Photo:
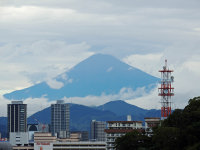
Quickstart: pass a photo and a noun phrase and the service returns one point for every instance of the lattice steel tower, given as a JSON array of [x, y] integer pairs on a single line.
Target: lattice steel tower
[[166, 91]]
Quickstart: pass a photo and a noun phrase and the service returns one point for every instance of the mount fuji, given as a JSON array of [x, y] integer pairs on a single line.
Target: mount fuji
[[96, 75]]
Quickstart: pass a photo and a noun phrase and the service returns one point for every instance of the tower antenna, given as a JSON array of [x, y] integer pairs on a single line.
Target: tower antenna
[[166, 91]]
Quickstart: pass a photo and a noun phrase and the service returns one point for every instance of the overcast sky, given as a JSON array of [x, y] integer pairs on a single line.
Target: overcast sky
[[40, 39]]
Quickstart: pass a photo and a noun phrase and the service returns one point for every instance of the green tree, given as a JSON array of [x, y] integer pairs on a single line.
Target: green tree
[[167, 138], [180, 131], [133, 141]]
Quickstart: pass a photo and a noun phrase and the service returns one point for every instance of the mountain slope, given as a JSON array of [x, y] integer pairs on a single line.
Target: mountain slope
[[3, 126], [80, 116], [121, 108], [96, 75]]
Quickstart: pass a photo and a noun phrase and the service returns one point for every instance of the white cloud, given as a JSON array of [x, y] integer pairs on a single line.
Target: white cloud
[[147, 101], [90, 100], [54, 84], [138, 98], [109, 69], [130, 68], [193, 66], [149, 63], [32, 63], [153, 101], [33, 105], [3, 106], [66, 79], [36, 104], [186, 75]]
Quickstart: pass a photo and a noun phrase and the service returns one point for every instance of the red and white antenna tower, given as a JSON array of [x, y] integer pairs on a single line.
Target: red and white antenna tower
[[166, 91]]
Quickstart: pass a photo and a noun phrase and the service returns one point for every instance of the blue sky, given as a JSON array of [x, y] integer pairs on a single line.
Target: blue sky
[[40, 39]]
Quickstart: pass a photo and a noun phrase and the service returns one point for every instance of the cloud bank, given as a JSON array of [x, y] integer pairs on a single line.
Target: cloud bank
[[36, 104], [38, 61], [41, 39]]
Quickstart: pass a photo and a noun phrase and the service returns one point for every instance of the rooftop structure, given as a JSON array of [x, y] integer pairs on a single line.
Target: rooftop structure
[[42, 137]]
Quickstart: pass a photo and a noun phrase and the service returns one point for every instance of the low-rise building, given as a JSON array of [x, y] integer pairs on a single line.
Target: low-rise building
[[81, 145], [5, 146], [42, 137], [84, 145], [119, 128], [43, 146], [23, 148], [83, 135], [19, 138], [74, 137], [151, 122], [46, 141], [43, 141]]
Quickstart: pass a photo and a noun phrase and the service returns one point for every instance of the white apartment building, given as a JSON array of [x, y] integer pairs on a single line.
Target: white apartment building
[[119, 128]]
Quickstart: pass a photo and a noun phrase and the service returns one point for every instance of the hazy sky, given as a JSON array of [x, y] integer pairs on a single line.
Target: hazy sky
[[40, 39]]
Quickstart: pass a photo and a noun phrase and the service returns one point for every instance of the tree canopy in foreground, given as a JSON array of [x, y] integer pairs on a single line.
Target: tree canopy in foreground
[[180, 131]]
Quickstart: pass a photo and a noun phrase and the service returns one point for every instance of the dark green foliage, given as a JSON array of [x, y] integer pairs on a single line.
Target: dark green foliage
[[180, 131], [167, 138], [133, 141], [183, 126]]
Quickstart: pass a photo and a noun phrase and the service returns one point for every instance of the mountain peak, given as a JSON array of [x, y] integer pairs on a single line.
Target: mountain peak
[[125, 108], [95, 75], [100, 61], [101, 55], [116, 102]]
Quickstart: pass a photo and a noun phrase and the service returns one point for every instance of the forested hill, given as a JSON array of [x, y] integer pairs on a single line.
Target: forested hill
[[180, 131]]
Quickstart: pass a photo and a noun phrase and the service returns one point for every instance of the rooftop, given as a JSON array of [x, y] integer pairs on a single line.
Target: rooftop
[[17, 102], [121, 130], [124, 121]]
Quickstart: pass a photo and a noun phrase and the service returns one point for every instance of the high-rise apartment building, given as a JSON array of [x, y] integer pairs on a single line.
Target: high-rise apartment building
[[60, 116], [17, 123], [97, 130], [17, 117]]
